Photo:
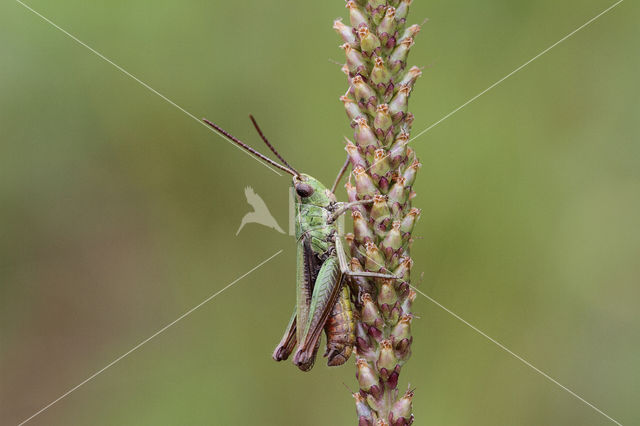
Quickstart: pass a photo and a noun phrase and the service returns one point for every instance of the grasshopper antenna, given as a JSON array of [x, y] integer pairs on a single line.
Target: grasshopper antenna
[[348, 388], [248, 148], [264, 138]]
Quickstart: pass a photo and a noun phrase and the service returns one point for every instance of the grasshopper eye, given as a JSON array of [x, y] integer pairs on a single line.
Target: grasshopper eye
[[304, 190]]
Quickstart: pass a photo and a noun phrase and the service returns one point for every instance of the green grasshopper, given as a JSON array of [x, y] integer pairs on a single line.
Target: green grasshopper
[[323, 301]]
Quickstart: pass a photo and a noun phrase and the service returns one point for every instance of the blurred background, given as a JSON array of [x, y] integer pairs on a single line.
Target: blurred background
[[118, 212]]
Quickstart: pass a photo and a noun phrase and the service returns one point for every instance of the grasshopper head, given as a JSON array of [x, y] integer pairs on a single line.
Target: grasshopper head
[[309, 190]]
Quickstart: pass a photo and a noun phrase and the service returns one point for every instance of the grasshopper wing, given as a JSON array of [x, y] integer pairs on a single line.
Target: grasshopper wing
[[308, 266], [326, 291], [307, 269]]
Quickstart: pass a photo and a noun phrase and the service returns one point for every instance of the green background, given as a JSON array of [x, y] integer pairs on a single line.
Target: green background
[[118, 212]]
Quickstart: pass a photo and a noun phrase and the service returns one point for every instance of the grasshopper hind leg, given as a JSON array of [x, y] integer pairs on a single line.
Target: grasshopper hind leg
[[288, 342]]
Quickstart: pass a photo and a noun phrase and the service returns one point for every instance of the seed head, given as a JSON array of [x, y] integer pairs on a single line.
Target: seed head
[[376, 47]]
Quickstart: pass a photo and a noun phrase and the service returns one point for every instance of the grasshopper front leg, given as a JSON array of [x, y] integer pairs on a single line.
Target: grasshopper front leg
[[341, 208]]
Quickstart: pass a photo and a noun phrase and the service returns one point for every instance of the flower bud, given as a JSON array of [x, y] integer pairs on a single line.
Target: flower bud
[[355, 14], [402, 329], [387, 26], [393, 240], [363, 411], [399, 103], [351, 107], [380, 75], [406, 303], [380, 166], [345, 32], [374, 402], [375, 333], [376, 8], [397, 195], [408, 122], [398, 58], [345, 70], [364, 136], [363, 333], [374, 260], [410, 77], [369, 43], [401, 409], [355, 61], [409, 220], [410, 173], [365, 375], [411, 31], [383, 121], [394, 316], [362, 421], [403, 269], [361, 228], [398, 148], [402, 10], [370, 313], [387, 294], [363, 346], [380, 209], [403, 289], [362, 91], [383, 184], [403, 349], [364, 184], [354, 155], [387, 358]]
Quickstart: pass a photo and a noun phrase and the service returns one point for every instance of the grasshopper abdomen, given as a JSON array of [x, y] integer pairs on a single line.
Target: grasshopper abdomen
[[340, 331]]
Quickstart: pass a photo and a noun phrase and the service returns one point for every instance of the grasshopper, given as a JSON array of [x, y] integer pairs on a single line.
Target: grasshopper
[[323, 300]]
